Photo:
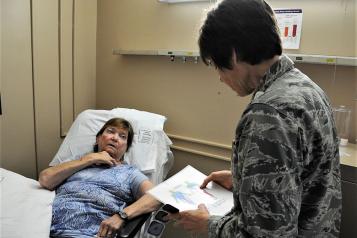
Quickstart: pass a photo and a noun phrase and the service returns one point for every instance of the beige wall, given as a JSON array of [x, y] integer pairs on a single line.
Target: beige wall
[[64, 69], [197, 105], [48, 75], [84, 50], [148, 24], [329, 26], [45, 55], [17, 121]]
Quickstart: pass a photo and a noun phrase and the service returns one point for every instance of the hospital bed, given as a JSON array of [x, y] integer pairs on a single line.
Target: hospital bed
[[26, 208]]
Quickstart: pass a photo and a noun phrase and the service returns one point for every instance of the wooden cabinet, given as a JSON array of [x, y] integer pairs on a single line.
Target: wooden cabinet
[[349, 201]]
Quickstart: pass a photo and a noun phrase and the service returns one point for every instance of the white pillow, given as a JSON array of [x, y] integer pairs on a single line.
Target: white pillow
[[148, 143]]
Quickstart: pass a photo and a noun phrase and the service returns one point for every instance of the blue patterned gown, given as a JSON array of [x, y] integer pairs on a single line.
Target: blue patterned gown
[[91, 195]]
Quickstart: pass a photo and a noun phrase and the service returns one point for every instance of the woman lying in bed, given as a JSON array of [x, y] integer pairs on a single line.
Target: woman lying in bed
[[96, 193]]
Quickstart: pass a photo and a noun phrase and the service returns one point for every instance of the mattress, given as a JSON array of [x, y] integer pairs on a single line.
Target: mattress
[[26, 207]]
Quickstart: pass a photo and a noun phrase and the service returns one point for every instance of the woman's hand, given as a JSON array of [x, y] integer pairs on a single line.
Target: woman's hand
[[110, 226], [100, 158], [223, 178], [51, 177]]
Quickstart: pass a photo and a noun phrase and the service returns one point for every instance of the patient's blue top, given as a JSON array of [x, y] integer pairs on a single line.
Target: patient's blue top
[[91, 195]]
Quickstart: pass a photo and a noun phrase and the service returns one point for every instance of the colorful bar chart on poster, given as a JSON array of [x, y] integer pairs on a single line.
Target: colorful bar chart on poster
[[290, 23]]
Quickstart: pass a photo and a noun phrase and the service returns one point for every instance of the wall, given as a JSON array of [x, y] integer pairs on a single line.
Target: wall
[[46, 71], [202, 112], [48, 76], [18, 152], [197, 105]]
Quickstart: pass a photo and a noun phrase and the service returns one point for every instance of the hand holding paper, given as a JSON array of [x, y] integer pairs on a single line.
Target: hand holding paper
[[183, 191], [223, 178]]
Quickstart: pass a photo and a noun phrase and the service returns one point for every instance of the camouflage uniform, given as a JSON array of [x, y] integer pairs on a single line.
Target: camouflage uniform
[[285, 162]]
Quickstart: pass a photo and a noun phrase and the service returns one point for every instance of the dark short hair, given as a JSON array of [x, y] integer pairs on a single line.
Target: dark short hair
[[248, 27], [118, 123]]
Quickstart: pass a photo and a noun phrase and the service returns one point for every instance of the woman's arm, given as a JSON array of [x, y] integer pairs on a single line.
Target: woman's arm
[[51, 177], [143, 205], [146, 203]]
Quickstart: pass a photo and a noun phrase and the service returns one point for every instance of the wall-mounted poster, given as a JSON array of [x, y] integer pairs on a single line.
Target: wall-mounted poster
[[290, 23]]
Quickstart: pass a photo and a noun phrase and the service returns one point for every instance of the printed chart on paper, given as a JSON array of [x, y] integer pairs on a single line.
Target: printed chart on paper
[[183, 192], [290, 24]]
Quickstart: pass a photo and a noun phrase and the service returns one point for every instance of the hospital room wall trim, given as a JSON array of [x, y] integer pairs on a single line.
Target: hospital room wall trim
[[198, 152], [200, 141], [201, 147]]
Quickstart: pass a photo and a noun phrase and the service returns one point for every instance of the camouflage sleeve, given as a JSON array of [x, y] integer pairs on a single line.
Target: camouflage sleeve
[[266, 178]]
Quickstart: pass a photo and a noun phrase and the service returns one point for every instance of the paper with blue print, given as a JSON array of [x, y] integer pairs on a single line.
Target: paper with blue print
[[183, 192]]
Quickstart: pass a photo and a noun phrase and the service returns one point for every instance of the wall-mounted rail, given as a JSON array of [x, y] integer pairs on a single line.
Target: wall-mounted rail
[[298, 58]]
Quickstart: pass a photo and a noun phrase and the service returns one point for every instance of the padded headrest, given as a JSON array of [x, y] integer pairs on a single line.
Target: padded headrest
[[148, 134]]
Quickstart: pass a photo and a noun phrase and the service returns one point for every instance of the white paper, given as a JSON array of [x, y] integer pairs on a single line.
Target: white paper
[[290, 23], [183, 191]]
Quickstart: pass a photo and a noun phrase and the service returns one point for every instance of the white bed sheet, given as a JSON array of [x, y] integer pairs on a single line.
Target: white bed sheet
[[25, 207]]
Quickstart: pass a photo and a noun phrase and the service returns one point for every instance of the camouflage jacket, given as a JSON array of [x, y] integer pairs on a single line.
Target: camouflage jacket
[[285, 162]]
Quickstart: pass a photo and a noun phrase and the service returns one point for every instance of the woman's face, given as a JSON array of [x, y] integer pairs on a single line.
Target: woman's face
[[114, 141]]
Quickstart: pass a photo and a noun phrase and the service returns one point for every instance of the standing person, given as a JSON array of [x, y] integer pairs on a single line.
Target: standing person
[[285, 173]]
